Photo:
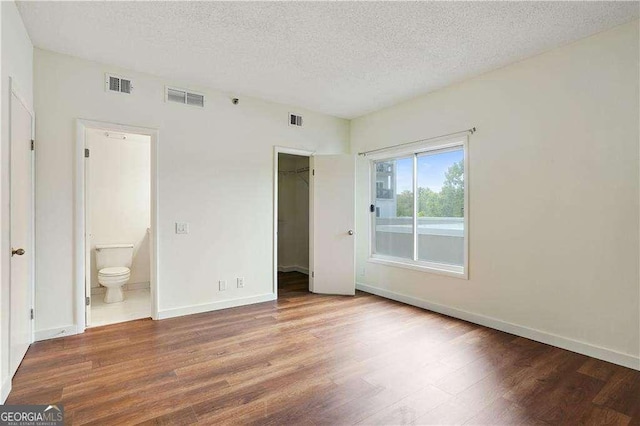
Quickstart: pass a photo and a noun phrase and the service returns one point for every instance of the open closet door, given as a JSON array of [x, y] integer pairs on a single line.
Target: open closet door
[[332, 224]]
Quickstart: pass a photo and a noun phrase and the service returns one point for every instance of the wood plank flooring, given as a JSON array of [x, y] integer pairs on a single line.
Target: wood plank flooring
[[320, 360]]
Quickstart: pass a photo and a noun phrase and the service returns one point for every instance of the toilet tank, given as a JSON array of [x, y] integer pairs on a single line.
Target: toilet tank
[[110, 255]]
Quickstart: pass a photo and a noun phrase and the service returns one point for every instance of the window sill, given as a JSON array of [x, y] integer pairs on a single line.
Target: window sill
[[435, 268]]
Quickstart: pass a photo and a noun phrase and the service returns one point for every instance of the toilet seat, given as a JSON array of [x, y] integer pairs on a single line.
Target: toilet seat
[[114, 276], [115, 271]]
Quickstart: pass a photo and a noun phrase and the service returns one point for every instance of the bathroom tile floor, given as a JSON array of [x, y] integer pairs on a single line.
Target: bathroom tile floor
[[136, 304]]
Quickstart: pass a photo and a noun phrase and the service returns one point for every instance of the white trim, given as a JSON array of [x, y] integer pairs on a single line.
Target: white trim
[[421, 146], [467, 204], [432, 146], [294, 268], [53, 333], [294, 151], [136, 286], [127, 287], [79, 211], [5, 390], [609, 355], [451, 271], [414, 224], [208, 307]]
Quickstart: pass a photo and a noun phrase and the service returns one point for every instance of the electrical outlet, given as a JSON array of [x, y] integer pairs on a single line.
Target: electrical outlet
[[222, 284], [182, 228], [240, 282]]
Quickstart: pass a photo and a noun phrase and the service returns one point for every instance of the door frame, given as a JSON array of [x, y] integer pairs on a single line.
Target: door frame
[[80, 211], [302, 153], [14, 90]]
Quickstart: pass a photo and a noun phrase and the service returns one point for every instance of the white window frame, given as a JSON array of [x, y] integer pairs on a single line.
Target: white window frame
[[414, 150]]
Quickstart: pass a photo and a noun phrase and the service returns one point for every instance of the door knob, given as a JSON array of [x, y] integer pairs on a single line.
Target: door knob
[[19, 252], [350, 232]]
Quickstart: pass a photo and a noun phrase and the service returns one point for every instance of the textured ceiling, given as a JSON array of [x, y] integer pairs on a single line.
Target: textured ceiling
[[340, 58]]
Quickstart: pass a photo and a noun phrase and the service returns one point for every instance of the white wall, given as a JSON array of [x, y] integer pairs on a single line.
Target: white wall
[[119, 186], [215, 172], [554, 187], [16, 61], [293, 214]]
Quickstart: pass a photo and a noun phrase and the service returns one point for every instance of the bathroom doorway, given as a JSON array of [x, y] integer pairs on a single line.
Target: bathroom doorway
[[118, 265], [292, 224]]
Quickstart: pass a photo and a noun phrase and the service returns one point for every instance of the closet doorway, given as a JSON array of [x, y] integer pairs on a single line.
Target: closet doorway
[[313, 222], [293, 225]]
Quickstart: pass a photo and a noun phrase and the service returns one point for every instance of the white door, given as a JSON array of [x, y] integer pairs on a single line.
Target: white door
[[20, 331], [332, 224]]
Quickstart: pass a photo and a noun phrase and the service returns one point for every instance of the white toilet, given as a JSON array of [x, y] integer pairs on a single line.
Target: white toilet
[[113, 262]]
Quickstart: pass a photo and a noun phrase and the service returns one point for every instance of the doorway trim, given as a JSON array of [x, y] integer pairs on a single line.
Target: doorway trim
[[283, 150], [80, 211]]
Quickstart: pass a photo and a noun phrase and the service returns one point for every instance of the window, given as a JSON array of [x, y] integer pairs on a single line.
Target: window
[[419, 214]]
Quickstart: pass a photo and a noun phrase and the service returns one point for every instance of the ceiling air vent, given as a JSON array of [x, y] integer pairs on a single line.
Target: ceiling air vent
[[295, 120], [183, 96], [114, 83]]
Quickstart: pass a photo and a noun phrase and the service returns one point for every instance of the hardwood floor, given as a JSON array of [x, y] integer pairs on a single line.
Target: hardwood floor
[[324, 360]]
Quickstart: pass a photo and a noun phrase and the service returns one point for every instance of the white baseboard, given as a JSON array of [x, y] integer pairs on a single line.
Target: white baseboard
[[294, 268], [126, 287], [207, 307], [5, 390], [626, 360], [136, 286], [53, 333]]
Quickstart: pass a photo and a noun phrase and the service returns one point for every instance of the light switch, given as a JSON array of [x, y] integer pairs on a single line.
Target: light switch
[[182, 228]]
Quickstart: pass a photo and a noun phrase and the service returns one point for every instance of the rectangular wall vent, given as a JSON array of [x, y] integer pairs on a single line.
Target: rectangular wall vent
[[183, 96], [195, 99], [115, 83], [295, 120]]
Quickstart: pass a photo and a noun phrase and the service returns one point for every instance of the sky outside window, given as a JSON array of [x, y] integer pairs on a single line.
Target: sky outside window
[[431, 170]]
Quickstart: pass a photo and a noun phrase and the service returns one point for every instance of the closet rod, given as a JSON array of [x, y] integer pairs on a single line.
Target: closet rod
[[470, 131]]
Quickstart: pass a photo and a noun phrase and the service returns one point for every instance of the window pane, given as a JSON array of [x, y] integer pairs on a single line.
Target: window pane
[[394, 207], [441, 207]]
